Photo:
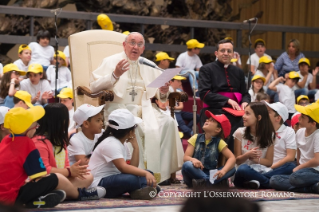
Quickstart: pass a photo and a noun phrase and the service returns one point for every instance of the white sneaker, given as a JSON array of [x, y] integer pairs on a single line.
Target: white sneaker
[[253, 184]]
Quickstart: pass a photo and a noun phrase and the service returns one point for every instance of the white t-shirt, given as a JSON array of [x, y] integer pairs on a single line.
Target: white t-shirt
[[66, 51], [308, 146], [285, 139], [101, 164], [286, 96], [187, 62], [1, 68], [309, 80], [260, 73], [21, 65], [72, 122], [81, 145], [64, 77], [252, 95], [317, 96], [40, 54], [42, 86], [255, 60], [247, 145]]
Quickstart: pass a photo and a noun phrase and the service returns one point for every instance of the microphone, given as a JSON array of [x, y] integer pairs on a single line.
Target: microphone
[[145, 62], [56, 10], [250, 20]]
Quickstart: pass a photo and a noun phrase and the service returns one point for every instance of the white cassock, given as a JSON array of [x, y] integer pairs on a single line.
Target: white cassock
[[160, 147]]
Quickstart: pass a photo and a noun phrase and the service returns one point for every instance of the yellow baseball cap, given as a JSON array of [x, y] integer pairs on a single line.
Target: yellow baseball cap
[[193, 43], [66, 93], [23, 47], [228, 38], [302, 97], [163, 56], [260, 41], [18, 119], [12, 67], [61, 55], [25, 96], [311, 110], [304, 60], [126, 32], [35, 68], [105, 22], [265, 59], [293, 75], [177, 77], [258, 77]]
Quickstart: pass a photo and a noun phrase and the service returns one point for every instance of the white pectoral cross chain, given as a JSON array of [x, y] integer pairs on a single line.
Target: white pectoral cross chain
[[133, 94]]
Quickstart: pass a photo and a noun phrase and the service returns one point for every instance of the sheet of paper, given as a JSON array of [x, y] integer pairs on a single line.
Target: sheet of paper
[[165, 77]]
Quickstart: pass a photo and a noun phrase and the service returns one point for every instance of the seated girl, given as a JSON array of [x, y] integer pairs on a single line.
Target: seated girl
[[203, 150]]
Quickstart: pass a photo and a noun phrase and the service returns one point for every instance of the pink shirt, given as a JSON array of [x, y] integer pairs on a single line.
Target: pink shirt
[[47, 154]]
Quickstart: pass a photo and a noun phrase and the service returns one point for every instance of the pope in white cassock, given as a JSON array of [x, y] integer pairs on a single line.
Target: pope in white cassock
[[160, 148]]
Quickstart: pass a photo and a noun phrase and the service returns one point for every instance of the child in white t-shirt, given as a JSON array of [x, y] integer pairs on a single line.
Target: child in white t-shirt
[[305, 176], [285, 91], [64, 74], [257, 83], [37, 85], [66, 98], [42, 52], [90, 119], [108, 161], [24, 54]]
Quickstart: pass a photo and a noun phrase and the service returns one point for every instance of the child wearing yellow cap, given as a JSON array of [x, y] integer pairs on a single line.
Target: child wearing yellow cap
[[66, 98], [257, 83], [10, 84], [22, 99], [37, 85], [305, 176], [307, 80], [24, 54], [285, 91], [303, 100], [42, 52], [162, 60], [24, 179], [64, 74]]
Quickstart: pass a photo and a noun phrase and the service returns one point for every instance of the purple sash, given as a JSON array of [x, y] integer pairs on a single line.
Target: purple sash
[[232, 95]]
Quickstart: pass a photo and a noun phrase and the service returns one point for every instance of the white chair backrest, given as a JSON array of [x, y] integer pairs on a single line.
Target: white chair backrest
[[87, 50]]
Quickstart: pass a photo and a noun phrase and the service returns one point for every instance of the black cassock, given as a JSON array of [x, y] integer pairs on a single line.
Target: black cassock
[[213, 78]]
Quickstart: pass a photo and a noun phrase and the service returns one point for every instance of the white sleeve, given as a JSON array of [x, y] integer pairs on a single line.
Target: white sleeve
[[100, 80], [238, 134], [32, 46], [290, 139], [198, 63], [1, 68], [76, 147], [111, 151], [239, 60], [51, 53], [279, 88], [45, 86], [316, 141], [49, 70], [66, 51], [68, 75], [23, 86], [179, 61]]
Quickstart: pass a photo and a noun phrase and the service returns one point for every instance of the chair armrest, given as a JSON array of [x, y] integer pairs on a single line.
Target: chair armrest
[[176, 96], [104, 95]]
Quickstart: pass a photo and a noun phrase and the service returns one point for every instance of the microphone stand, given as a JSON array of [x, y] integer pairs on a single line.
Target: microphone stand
[[194, 96], [56, 59], [249, 53]]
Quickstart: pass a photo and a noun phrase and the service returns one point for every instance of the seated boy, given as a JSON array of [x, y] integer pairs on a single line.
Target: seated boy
[[66, 98], [19, 160], [90, 119], [305, 176], [285, 91], [181, 115], [22, 99], [303, 100], [162, 60]]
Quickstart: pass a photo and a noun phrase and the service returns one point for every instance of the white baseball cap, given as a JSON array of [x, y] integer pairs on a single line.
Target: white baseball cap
[[124, 118], [84, 112], [280, 108], [3, 112]]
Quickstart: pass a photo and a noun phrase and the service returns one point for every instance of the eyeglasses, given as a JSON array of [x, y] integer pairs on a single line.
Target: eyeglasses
[[133, 44]]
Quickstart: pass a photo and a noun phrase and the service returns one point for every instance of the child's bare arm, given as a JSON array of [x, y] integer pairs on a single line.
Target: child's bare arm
[[272, 85], [231, 161], [268, 160], [314, 162]]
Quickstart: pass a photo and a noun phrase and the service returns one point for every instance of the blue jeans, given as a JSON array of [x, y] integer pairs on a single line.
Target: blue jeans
[[189, 173], [245, 173], [8, 102], [45, 68], [118, 184], [181, 116], [311, 93], [273, 95], [302, 181], [190, 77], [301, 91]]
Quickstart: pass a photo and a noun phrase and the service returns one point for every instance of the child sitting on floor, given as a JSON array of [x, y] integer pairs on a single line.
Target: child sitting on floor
[[108, 160], [253, 146], [203, 150], [90, 119], [305, 176]]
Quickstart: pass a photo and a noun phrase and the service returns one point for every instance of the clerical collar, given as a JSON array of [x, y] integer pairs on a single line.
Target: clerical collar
[[222, 64]]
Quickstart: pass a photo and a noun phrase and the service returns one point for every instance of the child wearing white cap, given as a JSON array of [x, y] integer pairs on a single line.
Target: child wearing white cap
[[3, 131], [108, 161], [90, 119]]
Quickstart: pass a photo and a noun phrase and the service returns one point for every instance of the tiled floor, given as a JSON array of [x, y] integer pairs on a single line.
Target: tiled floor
[[309, 205]]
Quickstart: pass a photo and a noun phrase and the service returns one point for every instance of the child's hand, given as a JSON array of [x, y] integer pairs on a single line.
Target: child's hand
[[133, 141], [36, 98], [47, 95], [220, 174], [254, 153], [315, 72], [281, 79], [79, 171], [296, 169], [197, 163], [150, 179]]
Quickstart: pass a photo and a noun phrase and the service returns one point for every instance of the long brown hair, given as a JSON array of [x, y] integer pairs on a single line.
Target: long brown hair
[[5, 84], [265, 132]]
